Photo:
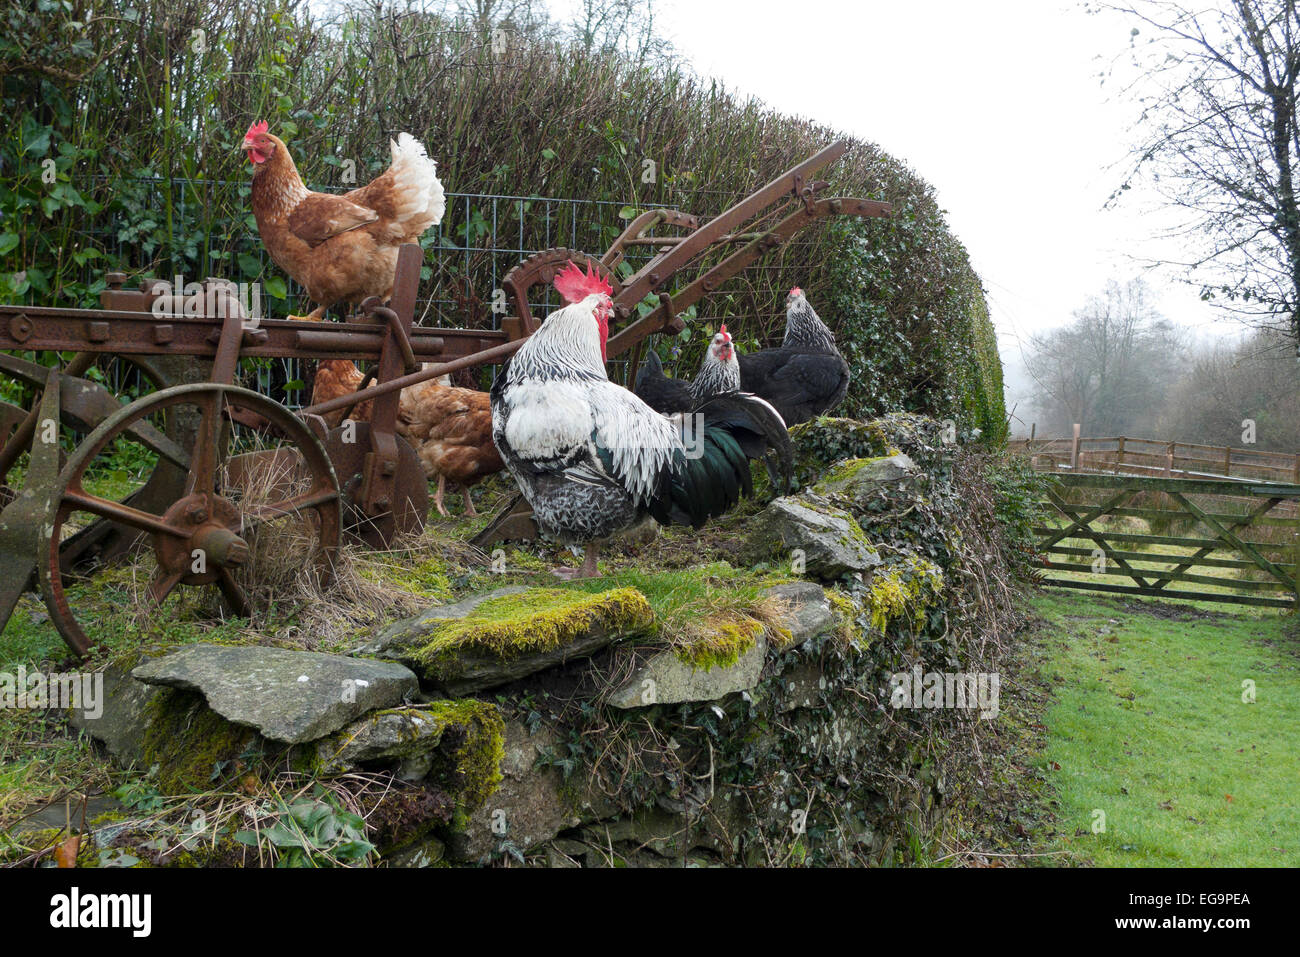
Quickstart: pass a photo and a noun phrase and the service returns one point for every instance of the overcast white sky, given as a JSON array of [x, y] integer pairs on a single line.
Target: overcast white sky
[[998, 104]]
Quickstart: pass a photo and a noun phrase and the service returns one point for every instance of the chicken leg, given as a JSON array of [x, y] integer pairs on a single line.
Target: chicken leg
[[316, 315], [437, 496], [588, 570], [470, 510]]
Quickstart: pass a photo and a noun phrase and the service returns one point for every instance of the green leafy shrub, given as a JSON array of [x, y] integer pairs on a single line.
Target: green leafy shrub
[[1017, 492], [142, 127]]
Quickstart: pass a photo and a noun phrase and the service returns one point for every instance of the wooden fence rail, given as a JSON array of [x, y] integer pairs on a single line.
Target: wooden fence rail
[[1228, 527], [1155, 457]]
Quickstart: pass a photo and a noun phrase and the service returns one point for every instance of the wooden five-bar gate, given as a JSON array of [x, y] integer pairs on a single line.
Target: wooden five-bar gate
[[1172, 537]]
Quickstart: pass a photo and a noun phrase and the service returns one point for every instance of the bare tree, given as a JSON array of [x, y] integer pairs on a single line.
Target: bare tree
[[517, 16], [1110, 368], [629, 27], [1218, 141], [1228, 385]]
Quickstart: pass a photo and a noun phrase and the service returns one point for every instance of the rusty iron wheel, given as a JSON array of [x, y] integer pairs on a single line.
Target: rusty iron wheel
[[541, 268], [209, 535]]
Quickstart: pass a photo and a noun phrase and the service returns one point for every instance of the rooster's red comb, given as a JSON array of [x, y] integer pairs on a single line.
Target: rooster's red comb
[[257, 129], [575, 287]]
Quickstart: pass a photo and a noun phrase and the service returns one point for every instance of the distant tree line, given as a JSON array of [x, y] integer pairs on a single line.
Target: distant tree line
[[1120, 368]]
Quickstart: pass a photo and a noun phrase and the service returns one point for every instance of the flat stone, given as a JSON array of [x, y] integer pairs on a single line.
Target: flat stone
[[664, 678], [288, 696], [860, 478], [57, 815], [478, 661], [826, 539], [396, 637], [533, 803], [122, 721], [405, 737], [810, 612]]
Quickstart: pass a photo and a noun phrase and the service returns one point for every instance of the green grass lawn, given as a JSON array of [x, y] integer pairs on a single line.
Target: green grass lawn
[[1148, 727]]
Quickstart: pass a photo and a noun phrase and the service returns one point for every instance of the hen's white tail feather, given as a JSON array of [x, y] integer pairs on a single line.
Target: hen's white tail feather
[[420, 197]]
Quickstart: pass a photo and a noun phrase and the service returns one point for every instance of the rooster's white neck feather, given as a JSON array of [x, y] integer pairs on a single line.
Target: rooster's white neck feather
[[565, 346], [562, 400]]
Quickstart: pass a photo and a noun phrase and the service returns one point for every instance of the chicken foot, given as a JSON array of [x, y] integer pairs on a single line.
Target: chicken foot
[[470, 510], [588, 570], [316, 315]]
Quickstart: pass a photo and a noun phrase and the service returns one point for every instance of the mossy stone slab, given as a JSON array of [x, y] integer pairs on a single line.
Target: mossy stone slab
[[664, 678], [827, 539], [859, 479], [288, 696], [508, 634]]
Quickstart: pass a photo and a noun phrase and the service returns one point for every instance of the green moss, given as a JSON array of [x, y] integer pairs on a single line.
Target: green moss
[[202, 851], [903, 591], [539, 619], [719, 643], [846, 611], [189, 742], [474, 773], [431, 577]]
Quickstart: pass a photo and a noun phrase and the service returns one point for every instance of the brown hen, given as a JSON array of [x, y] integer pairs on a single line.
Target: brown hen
[[449, 428]]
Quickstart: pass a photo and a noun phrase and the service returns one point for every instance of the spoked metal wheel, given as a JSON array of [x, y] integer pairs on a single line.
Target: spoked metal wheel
[[86, 402], [234, 526]]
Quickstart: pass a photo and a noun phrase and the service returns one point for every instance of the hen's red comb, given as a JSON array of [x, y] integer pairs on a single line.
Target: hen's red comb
[[796, 291], [575, 287], [723, 329], [257, 129]]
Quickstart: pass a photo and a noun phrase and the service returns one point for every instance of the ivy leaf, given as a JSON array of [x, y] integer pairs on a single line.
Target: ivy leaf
[[275, 288], [38, 143]]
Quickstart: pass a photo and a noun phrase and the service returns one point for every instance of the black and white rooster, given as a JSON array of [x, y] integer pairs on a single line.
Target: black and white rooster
[[806, 376], [592, 459], [719, 372]]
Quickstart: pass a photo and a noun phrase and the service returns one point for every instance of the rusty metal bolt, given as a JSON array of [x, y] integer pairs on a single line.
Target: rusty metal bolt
[[196, 513], [237, 552], [222, 546]]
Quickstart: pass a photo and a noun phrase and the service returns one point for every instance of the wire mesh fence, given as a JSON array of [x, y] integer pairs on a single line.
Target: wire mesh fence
[[481, 238]]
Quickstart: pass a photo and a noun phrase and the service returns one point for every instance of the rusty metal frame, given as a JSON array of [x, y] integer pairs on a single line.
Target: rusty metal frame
[[385, 335]]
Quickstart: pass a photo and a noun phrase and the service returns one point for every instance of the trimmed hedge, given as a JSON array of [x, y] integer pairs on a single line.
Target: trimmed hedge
[[143, 125]]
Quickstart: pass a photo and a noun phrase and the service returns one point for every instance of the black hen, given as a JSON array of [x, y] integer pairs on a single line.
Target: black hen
[[718, 373], [657, 390], [806, 376]]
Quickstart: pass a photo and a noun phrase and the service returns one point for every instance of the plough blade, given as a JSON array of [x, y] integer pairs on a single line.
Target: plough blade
[[25, 519]]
